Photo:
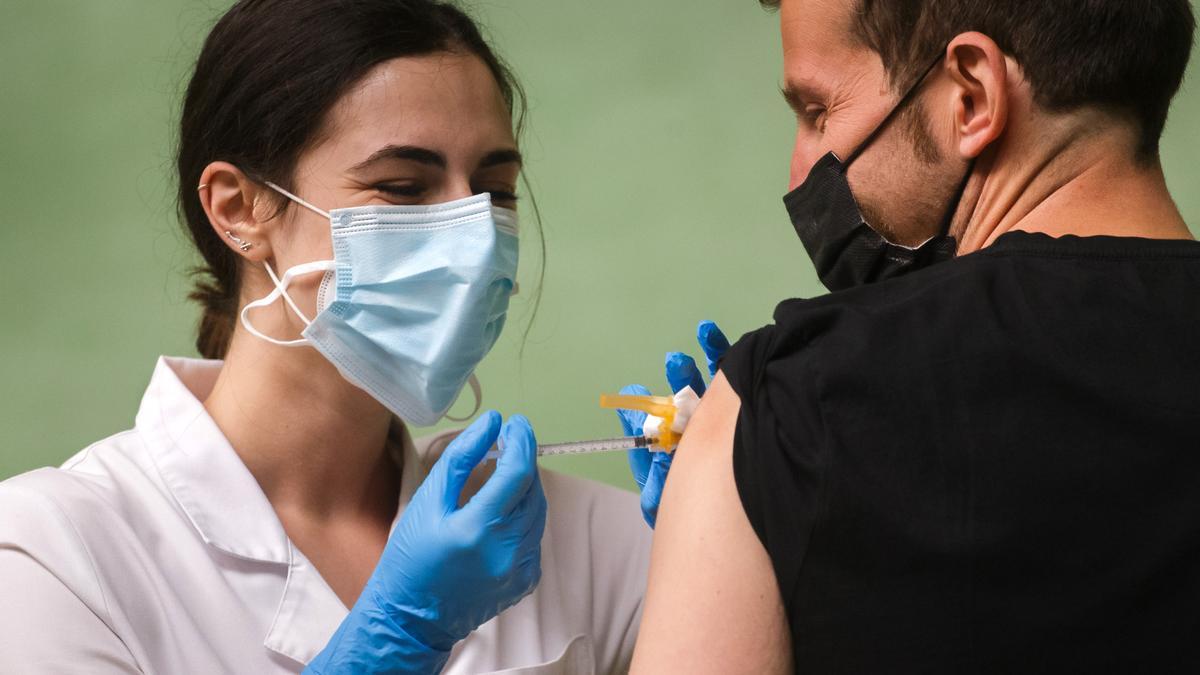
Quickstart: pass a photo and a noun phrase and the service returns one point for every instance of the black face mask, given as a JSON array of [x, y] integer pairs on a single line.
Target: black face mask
[[846, 250]]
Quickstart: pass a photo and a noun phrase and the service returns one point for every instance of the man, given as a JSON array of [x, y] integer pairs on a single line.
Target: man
[[982, 453]]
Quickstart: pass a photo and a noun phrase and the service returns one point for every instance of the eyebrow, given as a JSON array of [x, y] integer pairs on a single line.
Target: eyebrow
[[411, 153], [421, 155], [799, 94], [498, 157], [792, 97]]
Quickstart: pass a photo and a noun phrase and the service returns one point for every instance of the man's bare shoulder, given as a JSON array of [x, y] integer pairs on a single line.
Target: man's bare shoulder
[[708, 564]]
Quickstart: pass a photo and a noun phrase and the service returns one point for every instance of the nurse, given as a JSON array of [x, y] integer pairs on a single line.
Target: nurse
[[347, 172]]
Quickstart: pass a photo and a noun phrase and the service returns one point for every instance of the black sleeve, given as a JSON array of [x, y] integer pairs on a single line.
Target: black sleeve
[[777, 460]]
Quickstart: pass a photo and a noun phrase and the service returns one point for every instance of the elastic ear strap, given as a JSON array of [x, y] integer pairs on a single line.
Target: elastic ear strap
[[296, 199], [904, 101], [291, 274], [477, 389], [264, 302], [281, 286], [952, 208]]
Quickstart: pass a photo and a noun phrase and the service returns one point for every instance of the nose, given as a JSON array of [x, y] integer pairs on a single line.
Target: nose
[[455, 188], [804, 155]]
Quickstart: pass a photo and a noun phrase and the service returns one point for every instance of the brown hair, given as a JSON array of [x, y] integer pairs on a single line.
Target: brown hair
[[267, 75], [1126, 55]]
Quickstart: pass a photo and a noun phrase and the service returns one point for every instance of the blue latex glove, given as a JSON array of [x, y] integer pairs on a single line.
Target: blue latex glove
[[447, 570], [650, 468]]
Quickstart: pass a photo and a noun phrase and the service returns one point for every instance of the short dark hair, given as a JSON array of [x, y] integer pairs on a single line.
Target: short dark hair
[[269, 72], [1125, 55]]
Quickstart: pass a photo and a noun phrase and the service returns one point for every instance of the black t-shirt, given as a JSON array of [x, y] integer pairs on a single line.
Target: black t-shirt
[[992, 465]]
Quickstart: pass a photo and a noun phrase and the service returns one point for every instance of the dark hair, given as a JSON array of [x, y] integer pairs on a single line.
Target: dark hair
[[1127, 55], [267, 75]]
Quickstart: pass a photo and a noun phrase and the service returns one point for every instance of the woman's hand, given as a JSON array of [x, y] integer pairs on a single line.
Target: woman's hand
[[447, 570], [650, 468]]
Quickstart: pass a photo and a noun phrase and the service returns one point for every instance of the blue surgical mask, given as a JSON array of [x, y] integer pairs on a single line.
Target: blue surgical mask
[[413, 300]]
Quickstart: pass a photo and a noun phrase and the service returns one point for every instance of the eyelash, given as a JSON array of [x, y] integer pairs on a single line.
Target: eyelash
[[400, 190], [416, 190], [816, 118]]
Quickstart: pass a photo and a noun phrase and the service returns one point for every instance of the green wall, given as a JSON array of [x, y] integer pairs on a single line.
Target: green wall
[[658, 150]]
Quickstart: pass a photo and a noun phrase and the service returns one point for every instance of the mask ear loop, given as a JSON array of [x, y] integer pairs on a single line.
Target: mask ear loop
[[904, 101], [301, 202], [283, 292], [476, 389], [281, 287], [952, 209]]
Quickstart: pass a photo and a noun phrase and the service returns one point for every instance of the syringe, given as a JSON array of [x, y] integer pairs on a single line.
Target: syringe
[[588, 447]]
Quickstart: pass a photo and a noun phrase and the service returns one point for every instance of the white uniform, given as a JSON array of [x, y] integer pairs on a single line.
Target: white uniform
[[155, 551]]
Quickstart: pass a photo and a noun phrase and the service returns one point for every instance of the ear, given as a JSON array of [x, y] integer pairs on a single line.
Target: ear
[[979, 69], [231, 201]]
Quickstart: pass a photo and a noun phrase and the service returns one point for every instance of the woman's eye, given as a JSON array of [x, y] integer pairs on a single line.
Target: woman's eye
[[502, 192], [399, 190]]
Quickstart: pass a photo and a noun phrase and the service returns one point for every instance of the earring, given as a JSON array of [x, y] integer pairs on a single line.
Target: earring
[[242, 243]]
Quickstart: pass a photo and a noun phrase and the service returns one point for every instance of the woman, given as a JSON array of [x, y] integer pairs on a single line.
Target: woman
[[348, 173]]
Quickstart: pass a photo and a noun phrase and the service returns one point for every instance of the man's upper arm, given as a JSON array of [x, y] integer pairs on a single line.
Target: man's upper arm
[[713, 604]]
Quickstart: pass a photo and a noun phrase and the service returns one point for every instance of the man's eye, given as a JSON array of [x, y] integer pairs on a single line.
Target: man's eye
[[815, 116], [503, 196]]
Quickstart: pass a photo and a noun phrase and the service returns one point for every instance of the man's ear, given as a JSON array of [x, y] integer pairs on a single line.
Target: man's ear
[[231, 201], [980, 70]]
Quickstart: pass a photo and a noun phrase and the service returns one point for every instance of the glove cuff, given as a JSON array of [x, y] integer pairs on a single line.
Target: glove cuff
[[371, 640]]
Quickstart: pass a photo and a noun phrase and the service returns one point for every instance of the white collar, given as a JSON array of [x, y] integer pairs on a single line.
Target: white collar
[[228, 508], [203, 472]]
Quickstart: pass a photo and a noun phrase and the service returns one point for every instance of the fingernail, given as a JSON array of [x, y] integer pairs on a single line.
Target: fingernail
[[517, 424], [680, 360]]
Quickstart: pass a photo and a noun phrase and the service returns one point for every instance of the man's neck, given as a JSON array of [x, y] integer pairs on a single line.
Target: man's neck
[[1083, 184]]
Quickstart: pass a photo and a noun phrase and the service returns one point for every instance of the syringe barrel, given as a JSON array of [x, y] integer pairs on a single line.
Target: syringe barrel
[[586, 447]]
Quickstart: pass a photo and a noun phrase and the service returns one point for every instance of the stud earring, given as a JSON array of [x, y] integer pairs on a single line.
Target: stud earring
[[242, 243]]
